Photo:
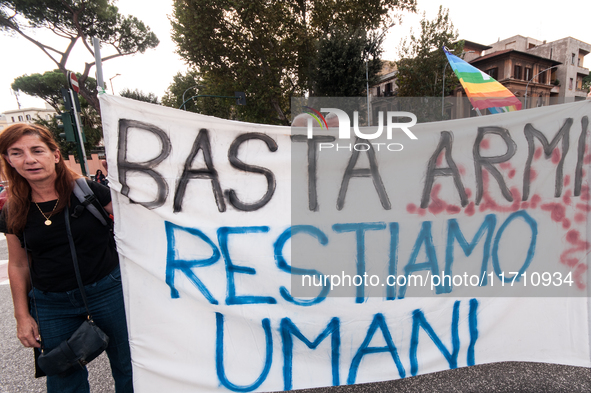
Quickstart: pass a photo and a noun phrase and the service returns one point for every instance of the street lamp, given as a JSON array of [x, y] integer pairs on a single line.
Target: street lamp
[[192, 87], [111, 82], [443, 85], [526, 86]]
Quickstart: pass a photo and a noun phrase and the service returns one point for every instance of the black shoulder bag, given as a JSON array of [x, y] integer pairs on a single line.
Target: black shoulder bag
[[87, 342]]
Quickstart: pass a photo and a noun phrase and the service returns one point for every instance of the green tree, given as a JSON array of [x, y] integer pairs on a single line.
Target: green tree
[[185, 87], [587, 82], [91, 125], [265, 48], [47, 86], [139, 96], [422, 60], [77, 21], [339, 68]]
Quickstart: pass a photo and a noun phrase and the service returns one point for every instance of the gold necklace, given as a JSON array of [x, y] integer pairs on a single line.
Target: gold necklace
[[47, 218]]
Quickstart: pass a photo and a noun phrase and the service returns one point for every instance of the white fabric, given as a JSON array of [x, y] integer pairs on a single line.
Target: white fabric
[[174, 340]]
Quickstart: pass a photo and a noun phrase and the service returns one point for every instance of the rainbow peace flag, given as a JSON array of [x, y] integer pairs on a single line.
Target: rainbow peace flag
[[482, 90]]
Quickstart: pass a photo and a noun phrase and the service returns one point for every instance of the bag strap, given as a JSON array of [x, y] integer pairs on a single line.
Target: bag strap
[[32, 288], [75, 260], [89, 201]]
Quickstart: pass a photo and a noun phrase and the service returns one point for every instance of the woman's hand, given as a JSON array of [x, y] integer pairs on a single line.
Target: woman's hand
[[28, 332]]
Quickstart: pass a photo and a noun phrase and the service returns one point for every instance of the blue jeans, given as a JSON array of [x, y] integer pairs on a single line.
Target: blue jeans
[[61, 313]]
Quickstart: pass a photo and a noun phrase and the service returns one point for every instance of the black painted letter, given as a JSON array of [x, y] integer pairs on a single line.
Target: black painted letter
[[581, 156], [312, 164], [487, 162], [446, 143], [372, 172], [530, 132], [125, 166], [201, 143], [238, 164]]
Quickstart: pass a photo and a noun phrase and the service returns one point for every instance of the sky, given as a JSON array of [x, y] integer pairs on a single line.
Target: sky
[[152, 72]]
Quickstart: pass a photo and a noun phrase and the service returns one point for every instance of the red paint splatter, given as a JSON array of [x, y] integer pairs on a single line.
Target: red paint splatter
[[484, 144], [439, 159], [557, 209], [566, 198], [468, 192], [532, 174], [538, 153], [580, 271], [452, 209], [566, 258], [511, 173], [488, 203], [535, 200], [582, 206], [587, 159], [555, 156], [525, 205], [566, 180], [580, 218], [436, 205], [572, 236], [411, 208], [505, 165], [469, 209], [462, 169], [566, 223]]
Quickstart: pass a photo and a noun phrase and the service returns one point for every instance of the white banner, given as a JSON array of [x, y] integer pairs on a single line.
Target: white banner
[[467, 246]]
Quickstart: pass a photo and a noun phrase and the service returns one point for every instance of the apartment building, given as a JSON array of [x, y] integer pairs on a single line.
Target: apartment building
[[29, 115], [569, 54]]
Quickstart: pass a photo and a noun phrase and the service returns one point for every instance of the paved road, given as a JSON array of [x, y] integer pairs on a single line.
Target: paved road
[[16, 369]]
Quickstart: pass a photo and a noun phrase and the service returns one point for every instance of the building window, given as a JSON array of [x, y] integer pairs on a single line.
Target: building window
[[517, 72], [28, 117], [12, 117], [378, 91], [20, 118], [570, 84], [493, 72], [528, 74], [572, 60], [542, 77], [388, 91]]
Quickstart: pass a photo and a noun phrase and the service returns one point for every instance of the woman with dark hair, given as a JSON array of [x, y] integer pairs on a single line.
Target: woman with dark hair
[[100, 178], [39, 192]]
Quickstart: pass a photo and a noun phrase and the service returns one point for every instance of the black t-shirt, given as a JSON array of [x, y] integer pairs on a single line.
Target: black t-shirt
[[52, 265]]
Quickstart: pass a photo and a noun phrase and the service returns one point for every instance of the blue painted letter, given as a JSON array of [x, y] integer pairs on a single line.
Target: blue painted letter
[[232, 269], [173, 263], [418, 320], [288, 328], [219, 356], [359, 230], [283, 265], [378, 322]]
